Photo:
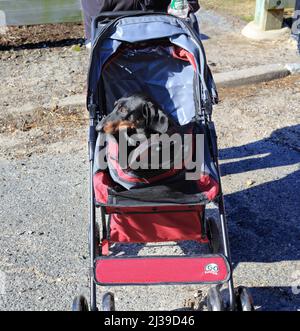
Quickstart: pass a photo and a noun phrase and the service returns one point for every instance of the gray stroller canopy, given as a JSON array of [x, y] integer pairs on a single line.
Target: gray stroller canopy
[[125, 60]]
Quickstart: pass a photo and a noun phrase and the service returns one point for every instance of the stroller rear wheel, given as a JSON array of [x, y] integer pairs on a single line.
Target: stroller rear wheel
[[108, 302], [244, 301], [214, 300], [80, 304], [213, 234]]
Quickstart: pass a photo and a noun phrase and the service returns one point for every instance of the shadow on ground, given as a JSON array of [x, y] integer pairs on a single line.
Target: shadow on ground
[[44, 44], [263, 219], [266, 215]]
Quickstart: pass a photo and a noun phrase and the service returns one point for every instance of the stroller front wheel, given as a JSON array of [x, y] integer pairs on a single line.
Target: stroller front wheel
[[244, 301], [80, 304], [108, 302], [214, 300]]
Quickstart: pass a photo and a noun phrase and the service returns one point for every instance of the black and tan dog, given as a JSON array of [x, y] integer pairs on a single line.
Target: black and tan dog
[[137, 114], [133, 121]]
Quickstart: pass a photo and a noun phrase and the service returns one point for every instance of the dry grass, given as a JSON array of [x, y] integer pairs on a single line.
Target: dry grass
[[20, 36], [244, 9], [35, 132], [44, 119]]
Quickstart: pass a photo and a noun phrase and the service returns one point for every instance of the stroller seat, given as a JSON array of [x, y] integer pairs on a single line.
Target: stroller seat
[[171, 208], [166, 73]]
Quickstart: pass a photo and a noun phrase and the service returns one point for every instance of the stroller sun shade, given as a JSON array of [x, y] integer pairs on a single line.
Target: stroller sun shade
[[165, 73], [156, 66]]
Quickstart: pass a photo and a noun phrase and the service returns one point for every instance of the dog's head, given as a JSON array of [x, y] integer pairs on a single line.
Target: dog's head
[[137, 112]]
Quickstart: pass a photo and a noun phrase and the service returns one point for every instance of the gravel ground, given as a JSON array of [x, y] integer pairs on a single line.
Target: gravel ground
[[44, 170], [44, 209]]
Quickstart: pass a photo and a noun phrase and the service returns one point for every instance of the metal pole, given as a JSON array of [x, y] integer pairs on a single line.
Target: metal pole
[[227, 250], [92, 143], [93, 301], [223, 220]]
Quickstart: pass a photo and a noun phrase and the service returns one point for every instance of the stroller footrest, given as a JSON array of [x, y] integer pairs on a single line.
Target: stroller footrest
[[140, 270]]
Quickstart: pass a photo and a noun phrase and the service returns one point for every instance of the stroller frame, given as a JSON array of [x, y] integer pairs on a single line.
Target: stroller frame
[[239, 299]]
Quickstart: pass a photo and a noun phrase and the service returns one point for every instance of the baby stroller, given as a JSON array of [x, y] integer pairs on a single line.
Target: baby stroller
[[162, 55]]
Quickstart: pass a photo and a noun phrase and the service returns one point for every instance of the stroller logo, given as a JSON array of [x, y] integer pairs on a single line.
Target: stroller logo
[[212, 268]]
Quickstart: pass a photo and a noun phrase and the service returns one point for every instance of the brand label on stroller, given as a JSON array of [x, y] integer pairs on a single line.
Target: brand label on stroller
[[212, 268]]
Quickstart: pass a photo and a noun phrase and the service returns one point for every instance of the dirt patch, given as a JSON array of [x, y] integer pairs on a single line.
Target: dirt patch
[[42, 118], [26, 134], [36, 36]]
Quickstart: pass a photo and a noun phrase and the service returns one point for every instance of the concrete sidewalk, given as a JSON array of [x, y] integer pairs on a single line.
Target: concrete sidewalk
[[258, 74]]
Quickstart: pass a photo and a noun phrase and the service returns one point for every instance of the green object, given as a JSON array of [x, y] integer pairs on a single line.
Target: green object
[[76, 48], [178, 4], [269, 13]]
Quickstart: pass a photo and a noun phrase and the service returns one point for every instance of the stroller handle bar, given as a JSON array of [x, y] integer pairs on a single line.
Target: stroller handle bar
[[107, 16], [110, 15]]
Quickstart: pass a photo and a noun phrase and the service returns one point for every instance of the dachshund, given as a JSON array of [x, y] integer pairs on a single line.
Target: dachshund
[[135, 119], [138, 114]]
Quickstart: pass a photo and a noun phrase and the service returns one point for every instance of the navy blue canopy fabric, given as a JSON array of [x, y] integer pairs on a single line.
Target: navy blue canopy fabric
[[153, 70]]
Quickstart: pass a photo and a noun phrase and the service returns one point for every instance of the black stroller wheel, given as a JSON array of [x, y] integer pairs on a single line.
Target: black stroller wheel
[[108, 302], [80, 304], [244, 301], [214, 300], [213, 234]]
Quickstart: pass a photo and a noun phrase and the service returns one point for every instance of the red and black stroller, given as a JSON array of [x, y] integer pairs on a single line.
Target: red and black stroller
[[162, 56]]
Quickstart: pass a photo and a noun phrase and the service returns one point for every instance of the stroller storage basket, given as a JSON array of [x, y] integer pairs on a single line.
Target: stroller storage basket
[[156, 224]]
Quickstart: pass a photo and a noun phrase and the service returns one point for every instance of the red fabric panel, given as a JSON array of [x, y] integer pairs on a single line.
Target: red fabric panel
[[102, 182], [209, 186], [155, 270], [182, 54], [158, 227], [105, 247]]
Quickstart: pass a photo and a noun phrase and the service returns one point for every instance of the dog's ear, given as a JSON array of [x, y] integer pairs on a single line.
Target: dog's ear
[[155, 118]]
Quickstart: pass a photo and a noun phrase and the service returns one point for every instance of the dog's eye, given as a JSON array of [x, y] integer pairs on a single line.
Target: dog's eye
[[122, 110]]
